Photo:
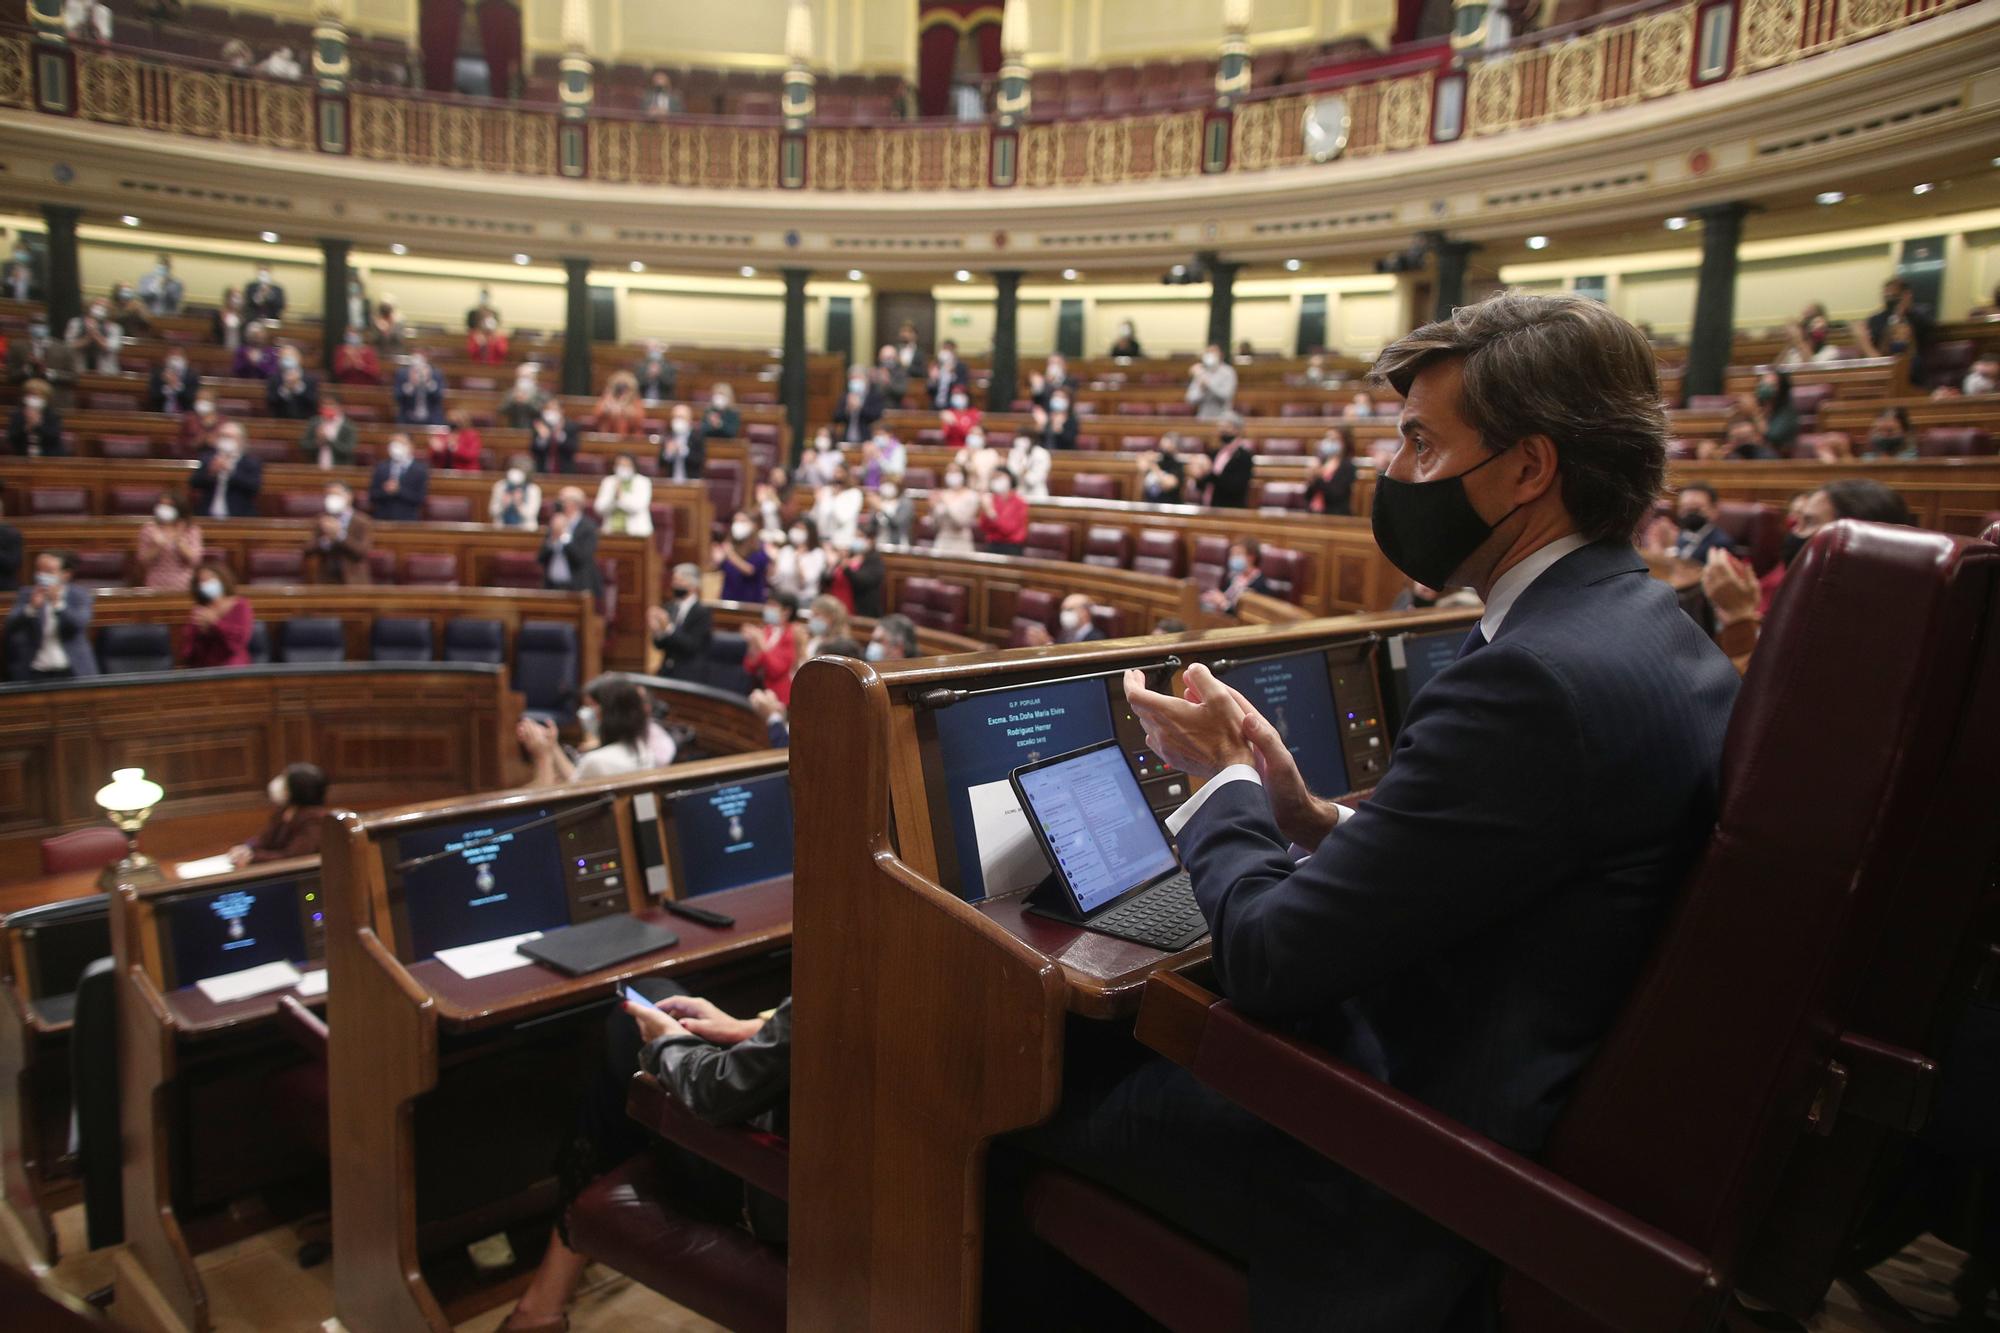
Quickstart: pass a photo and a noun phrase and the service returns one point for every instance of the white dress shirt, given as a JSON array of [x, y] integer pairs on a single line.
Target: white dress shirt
[[50, 656]]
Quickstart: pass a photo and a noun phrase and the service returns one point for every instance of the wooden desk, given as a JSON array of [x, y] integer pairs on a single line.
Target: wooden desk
[[418, 1054], [928, 1025]]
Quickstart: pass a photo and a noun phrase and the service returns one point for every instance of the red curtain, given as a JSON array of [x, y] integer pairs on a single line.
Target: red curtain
[[988, 37], [937, 51], [438, 23], [500, 39]]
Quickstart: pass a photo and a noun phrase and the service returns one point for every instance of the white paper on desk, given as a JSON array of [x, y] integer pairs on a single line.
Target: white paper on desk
[[313, 983], [473, 961], [207, 865], [1009, 856], [250, 981]]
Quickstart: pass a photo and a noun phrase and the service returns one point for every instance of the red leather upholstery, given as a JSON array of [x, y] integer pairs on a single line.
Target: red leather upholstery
[[431, 569], [382, 566], [82, 849], [124, 446], [1211, 557], [1282, 495], [58, 500], [1953, 442], [919, 478], [299, 1091], [301, 504], [448, 508], [1168, 1274], [270, 564], [1050, 541], [1947, 362], [1807, 399], [947, 603], [513, 569], [132, 500], [1280, 446], [1093, 486], [273, 451], [1039, 606], [1285, 570], [1109, 547], [1159, 552], [107, 567], [1713, 402], [1757, 529], [1109, 619], [914, 599]]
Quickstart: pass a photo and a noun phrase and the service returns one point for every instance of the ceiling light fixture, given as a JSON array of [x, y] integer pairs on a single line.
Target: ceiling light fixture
[[129, 220], [269, 237], [854, 275], [1293, 266], [1538, 242], [748, 270], [1677, 223], [399, 249], [1829, 197], [1069, 275], [1924, 187], [963, 276], [638, 267], [520, 259]]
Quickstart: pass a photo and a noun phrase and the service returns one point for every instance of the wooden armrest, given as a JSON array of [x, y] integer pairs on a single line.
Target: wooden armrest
[[756, 1156], [1605, 1262], [1886, 1084], [306, 1028]]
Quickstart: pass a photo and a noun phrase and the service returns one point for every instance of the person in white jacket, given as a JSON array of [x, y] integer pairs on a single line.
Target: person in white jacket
[[625, 500], [1029, 461]]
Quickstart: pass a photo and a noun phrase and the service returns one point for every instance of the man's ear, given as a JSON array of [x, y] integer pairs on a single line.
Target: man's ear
[[1538, 469]]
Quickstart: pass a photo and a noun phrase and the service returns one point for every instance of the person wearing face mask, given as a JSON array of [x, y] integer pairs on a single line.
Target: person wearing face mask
[[299, 795], [1073, 622], [1126, 344], [720, 420], [1029, 461], [48, 630], [771, 503], [1770, 406], [225, 324], [1900, 328], [1533, 442], [859, 408], [857, 579], [1331, 488], [1983, 378], [619, 411], [684, 447], [619, 737], [95, 338], [1230, 468], [743, 562], [420, 394], [1889, 435], [1162, 474], [625, 500], [328, 440], [173, 384], [826, 621], [954, 511], [683, 628], [357, 309], [18, 281], [1694, 532], [894, 639], [1809, 341], [837, 507], [219, 623], [800, 564], [40, 357], [255, 358], [169, 547], [1243, 573], [337, 551], [895, 514], [948, 375], [160, 289], [525, 400], [486, 342], [483, 310], [399, 483], [293, 393], [461, 449], [227, 480], [264, 299], [553, 440], [129, 312], [1056, 423], [389, 332], [772, 652], [655, 376], [1051, 380], [1003, 517], [979, 459], [1212, 385], [201, 425], [961, 420], [569, 552], [34, 427], [516, 501], [892, 375], [355, 362]]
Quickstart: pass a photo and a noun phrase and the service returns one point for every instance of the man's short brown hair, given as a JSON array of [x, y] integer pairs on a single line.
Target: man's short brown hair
[[1563, 367]]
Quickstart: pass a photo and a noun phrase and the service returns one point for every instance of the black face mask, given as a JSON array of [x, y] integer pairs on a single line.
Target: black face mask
[[1428, 528], [1789, 548], [1693, 521]]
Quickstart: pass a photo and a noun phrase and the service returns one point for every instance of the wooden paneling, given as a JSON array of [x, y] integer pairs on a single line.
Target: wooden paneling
[[1955, 495]]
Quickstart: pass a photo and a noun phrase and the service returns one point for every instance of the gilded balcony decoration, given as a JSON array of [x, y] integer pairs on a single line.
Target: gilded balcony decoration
[[14, 89]]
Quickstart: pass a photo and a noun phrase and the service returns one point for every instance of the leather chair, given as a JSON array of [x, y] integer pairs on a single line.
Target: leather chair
[[382, 565], [1953, 442], [1807, 399], [125, 649], [260, 643], [1211, 558], [301, 504], [1093, 486], [512, 569], [400, 639], [430, 569], [723, 667], [132, 501], [1947, 362], [1282, 495], [607, 589], [1110, 548], [1738, 1040], [948, 603], [468, 639], [1160, 552], [924, 534], [1032, 607], [57, 501], [1109, 619], [448, 509], [90, 848], [1285, 570], [124, 446], [1711, 402], [545, 668], [1050, 541], [919, 478], [914, 598], [93, 1064], [1280, 446], [101, 569], [1757, 529], [276, 565], [664, 528], [313, 639]]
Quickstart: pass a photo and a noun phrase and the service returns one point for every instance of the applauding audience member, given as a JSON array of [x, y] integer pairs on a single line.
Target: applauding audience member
[[859, 409], [1003, 516], [40, 357], [172, 385], [552, 439], [516, 501], [255, 358], [460, 449], [169, 547], [720, 420], [299, 793], [948, 375], [337, 552], [1331, 489], [1809, 340], [399, 484], [1074, 624], [48, 631], [524, 400], [419, 393], [388, 332], [619, 737], [684, 448], [619, 411], [34, 427], [1900, 328], [1126, 344], [772, 653], [800, 565], [744, 563], [959, 420], [1983, 378], [486, 341], [226, 480], [329, 441], [1212, 385], [1889, 435], [1697, 532], [293, 393], [856, 581], [219, 624], [1029, 461], [264, 299], [569, 552], [1162, 474], [625, 500], [1243, 574], [895, 514], [160, 289], [955, 510], [894, 639], [683, 628], [95, 339], [225, 326], [355, 362], [1230, 468], [837, 508], [655, 376]]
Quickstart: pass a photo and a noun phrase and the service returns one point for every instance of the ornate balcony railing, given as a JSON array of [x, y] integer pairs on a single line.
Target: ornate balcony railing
[[1642, 53]]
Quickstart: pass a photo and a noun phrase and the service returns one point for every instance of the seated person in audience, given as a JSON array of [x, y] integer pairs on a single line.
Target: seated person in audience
[[1315, 375], [95, 339], [160, 289], [894, 639], [172, 385], [1051, 380], [948, 375], [859, 409], [1417, 596], [1360, 407], [48, 630], [1073, 621], [516, 501], [979, 459], [460, 449], [399, 484], [225, 326], [10, 555], [420, 393], [625, 500], [264, 299], [1212, 385], [1003, 516], [219, 623], [1029, 461], [1230, 468], [328, 442], [682, 629], [169, 547], [655, 376], [486, 342], [389, 332], [569, 552], [856, 581], [619, 411], [684, 446], [553, 439], [1460, 887], [1744, 443], [955, 510], [1900, 328], [1889, 435], [1127, 342], [1983, 378], [281, 64], [226, 480], [1692, 532], [959, 420], [720, 420], [826, 619], [891, 376], [799, 565], [293, 393], [725, 1070], [773, 651], [1771, 406], [40, 357], [255, 358], [837, 508], [1244, 351], [895, 514], [1244, 573], [1330, 489], [619, 737], [337, 551], [883, 457], [1161, 472], [662, 98], [1809, 342], [777, 716], [34, 427], [129, 312], [299, 793], [743, 562], [525, 400], [236, 54], [355, 362]]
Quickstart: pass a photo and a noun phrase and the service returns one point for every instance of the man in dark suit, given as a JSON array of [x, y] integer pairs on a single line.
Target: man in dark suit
[[293, 393], [1230, 468], [657, 376], [720, 420], [264, 299], [682, 628], [1470, 931], [173, 385], [1074, 622], [948, 374], [48, 631], [684, 448], [855, 415], [569, 552], [226, 480], [1696, 508], [397, 487], [419, 393], [337, 552], [552, 439]]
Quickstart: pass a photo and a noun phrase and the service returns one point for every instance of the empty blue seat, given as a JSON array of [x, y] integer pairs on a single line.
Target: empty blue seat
[[400, 639], [260, 643], [545, 668], [467, 639], [123, 649], [724, 667], [314, 639]]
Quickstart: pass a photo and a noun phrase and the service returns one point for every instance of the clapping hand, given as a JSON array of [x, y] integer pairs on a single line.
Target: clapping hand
[[1730, 586]]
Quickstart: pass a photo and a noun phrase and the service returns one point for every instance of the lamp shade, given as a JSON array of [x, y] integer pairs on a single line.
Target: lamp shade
[[129, 792]]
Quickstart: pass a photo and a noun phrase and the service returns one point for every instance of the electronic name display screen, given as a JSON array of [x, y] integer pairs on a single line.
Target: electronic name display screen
[[218, 933], [736, 834], [980, 742], [1295, 695], [482, 879], [1424, 655]]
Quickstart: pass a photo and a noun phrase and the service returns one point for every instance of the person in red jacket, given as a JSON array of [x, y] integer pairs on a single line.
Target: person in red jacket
[[777, 647], [1003, 516], [218, 628], [462, 448]]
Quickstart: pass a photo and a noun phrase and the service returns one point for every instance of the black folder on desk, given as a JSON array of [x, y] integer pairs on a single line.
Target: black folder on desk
[[594, 945]]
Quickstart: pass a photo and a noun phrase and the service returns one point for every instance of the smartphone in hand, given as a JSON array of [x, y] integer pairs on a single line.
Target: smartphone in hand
[[634, 997]]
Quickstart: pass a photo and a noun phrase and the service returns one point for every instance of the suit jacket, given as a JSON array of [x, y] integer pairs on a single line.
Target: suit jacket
[[406, 504], [56, 364], [159, 398], [343, 559], [686, 646], [246, 480], [856, 426], [1229, 485], [45, 439], [581, 553], [24, 632], [407, 410], [340, 447], [656, 385], [943, 382], [553, 450], [1470, 933], [697, 454], [301, 404], [264, 300], [724, 423], [1696, 545], [10, 557]]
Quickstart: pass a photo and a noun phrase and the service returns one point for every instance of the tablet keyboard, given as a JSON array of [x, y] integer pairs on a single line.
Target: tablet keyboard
[[1164, 916]]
